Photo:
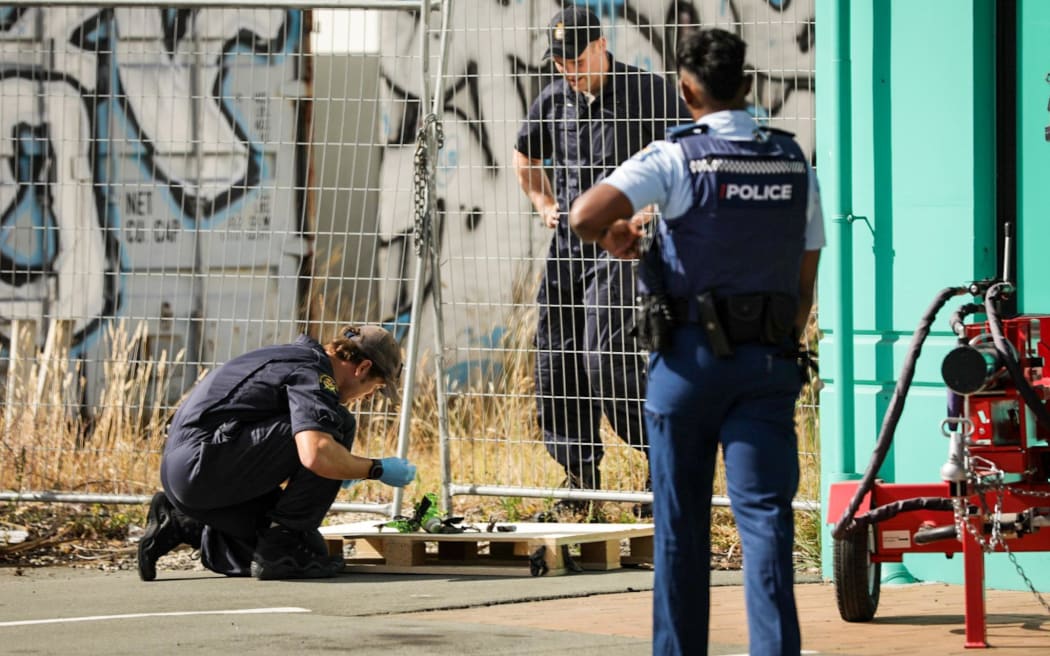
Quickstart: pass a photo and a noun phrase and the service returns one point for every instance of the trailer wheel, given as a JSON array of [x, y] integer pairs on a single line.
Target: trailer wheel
[[857, 578]]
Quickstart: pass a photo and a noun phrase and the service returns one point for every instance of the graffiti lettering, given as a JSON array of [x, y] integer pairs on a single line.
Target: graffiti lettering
[[139, 203], [165, 231], [135, 231]]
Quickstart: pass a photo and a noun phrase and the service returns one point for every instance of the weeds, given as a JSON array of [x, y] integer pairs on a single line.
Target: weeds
[[46, 443]]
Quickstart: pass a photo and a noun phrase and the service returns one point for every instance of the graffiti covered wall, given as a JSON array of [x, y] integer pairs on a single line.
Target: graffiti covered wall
[[152, 168], [121, 197], [489, 238]]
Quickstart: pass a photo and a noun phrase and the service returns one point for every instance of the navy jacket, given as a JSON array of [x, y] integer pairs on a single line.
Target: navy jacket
[[291, 381], [585, 141]]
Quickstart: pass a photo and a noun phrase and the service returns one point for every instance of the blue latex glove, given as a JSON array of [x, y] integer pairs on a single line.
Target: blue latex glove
[[347, 484], [397, 472]]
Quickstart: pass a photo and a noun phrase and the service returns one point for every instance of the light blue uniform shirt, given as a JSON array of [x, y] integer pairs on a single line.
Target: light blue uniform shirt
[[659, 174]]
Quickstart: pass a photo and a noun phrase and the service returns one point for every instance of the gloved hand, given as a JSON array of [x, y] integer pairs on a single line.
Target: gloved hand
[[397, 472], [349, 483]]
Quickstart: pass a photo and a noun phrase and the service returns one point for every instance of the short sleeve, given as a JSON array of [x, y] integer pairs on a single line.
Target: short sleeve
[[313, 402], [534, 139], [656, 175], [815, 237]]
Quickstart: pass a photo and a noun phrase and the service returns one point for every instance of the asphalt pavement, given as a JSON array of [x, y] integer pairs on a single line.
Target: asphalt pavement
[[73, 611]]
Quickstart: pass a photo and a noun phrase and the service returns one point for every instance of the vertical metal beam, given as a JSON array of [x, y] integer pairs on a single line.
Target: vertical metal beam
[[838, 192], [973, 578], [421, 269], [1004, 116], [435, 272], [195, 332]]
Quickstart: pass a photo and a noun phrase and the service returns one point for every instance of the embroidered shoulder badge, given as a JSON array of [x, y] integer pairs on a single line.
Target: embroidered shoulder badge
[[328, 383]]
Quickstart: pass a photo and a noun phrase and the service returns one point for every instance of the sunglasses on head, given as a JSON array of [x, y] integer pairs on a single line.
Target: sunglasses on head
[[352, 333]]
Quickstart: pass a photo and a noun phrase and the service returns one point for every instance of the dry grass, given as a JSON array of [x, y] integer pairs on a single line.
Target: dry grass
[[46, 445], [504, 406]]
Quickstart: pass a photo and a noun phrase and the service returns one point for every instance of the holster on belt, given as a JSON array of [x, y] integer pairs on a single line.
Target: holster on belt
[[759, 318], [778, 319], [655, 319], [712, 325], [654, 322]]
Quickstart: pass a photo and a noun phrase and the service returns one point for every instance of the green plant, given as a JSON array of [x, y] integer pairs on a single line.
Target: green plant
[[808, 525], [104, 522], [511, 508]]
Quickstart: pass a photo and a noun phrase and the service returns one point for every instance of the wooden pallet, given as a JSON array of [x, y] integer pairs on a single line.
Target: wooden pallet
[[496, 553]]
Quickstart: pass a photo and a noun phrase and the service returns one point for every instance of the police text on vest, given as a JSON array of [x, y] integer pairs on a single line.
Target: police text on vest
[[755, 192]]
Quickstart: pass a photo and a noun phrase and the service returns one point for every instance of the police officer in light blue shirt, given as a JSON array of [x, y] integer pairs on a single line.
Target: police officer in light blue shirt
[[734, 266]]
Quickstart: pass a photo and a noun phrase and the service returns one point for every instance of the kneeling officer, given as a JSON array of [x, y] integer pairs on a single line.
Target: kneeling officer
[[273, 416]]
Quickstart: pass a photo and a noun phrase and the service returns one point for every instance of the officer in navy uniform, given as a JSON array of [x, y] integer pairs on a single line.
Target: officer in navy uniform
[[591, 118], [256, 453], [729, 289]]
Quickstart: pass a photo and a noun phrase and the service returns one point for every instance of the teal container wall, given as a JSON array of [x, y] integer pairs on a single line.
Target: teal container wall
[[922, 108], [1033, 156]]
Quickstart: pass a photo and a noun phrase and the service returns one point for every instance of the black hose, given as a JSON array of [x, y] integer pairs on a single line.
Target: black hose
[[891, 510], [1031, 399], [958, 318], [893, 412]]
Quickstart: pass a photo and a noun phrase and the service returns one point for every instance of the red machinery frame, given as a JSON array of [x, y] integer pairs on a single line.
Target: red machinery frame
[[1003, 441]]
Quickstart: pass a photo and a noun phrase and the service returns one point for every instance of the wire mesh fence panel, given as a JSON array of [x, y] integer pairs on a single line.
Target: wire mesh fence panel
[[178, 186], [519, 427]]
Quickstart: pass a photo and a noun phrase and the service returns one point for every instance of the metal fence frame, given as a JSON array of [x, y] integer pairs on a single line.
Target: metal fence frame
[[428, 146], [428, 143]]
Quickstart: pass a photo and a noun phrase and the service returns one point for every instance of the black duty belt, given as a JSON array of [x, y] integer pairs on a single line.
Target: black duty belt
[[767, 318]]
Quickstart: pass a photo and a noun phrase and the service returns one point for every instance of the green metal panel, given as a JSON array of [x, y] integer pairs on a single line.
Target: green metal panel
[[834, 159], [1033, 212], [1033, 155], [923, 177]]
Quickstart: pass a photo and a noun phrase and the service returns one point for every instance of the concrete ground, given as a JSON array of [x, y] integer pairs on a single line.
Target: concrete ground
[[65, 611], [914, 620]]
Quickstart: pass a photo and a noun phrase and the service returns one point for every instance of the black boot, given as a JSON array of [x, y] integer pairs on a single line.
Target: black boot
[[585, 477], [161, 536], [190, 530], [284, 553]]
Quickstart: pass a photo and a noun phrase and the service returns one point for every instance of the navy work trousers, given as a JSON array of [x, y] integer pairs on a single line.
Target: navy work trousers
[[586, 363], [745, 403], [230, 481]]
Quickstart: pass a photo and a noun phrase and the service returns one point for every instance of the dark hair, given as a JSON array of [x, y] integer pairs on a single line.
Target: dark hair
[[348, 350], [716, 58]]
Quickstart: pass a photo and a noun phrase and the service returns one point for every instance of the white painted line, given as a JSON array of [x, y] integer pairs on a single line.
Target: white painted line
[[100, 618], [804, 651]]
